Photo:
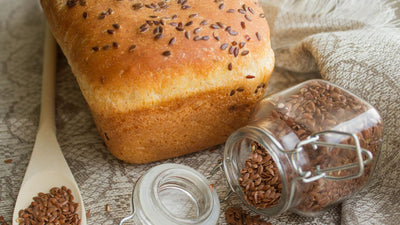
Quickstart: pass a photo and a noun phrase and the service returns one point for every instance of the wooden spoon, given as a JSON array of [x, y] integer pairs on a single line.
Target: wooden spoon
[[47, 167]]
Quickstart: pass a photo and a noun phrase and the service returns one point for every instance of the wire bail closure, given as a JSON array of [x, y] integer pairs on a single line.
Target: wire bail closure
[[216, 169], [133, 211], [318, 173]]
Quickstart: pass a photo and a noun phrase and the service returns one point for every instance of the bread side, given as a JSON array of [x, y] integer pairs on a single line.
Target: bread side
[[166, 78]]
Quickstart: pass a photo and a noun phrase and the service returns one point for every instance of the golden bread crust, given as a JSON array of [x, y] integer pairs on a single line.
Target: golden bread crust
[[137, 62]]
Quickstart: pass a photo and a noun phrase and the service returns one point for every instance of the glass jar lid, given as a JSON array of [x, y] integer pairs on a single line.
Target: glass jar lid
[[174, 194]]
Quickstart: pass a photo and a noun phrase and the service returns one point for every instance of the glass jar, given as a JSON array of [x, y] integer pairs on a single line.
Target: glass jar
[[304, 149], [173, 194]]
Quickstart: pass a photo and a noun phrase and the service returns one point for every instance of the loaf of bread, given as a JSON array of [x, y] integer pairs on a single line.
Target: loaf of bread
[[167, 78]]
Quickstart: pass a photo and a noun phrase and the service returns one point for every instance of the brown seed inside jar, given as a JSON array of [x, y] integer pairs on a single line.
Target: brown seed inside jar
[[260, 180], [319, 106]]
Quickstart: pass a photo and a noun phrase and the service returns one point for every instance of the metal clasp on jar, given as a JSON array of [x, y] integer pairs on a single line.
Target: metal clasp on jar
[[216, 169], [308, 176]]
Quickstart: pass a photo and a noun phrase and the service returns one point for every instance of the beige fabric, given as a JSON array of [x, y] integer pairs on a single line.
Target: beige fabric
[[349, 53], [357, 46]]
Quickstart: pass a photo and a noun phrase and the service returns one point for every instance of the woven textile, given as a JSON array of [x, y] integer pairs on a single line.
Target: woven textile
[[355, 44], [360, 53]]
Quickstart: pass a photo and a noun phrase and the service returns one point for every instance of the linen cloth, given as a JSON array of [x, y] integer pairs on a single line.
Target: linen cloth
[[355, 44], [362, 57]]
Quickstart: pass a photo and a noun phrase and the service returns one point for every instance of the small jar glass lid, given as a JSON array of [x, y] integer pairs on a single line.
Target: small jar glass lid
[[172, 194]]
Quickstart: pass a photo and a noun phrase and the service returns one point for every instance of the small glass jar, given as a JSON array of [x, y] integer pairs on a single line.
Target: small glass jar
[[173, 194], [304, 149]]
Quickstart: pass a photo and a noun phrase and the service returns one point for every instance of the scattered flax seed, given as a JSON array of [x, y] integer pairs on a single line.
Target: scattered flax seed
[[221, 6], [230, 11], [233, 32], [234, 43], [230, 66], [131, 48], [205, 38], [8, 161], [116, 25], [85, 15], [144, 29], [197, 30], [193, 15], [110, 31], [187, 34], [238, 216], [102, 16], [248, 38], [150, 6], [174, 16], [158, 36], [204, 22], [115, 45], [231, 50], [245, 52], [262, 85], [243, 25], [216, 37], [240, 89], [71, 3], [242, 44], [236, 52], [224, 46], [197, 38], [166, 53], [106, 47], [214, 26], [172, 41], [2, 221], [211, 186], [189, 23], [241, 11], [55, 207], [262, 15], [174, 24], [250, 76], [214, 149], [137, 6], [248, 18], [258, 36], [95, 48], [251, 10], [156, 30], [221, 25], [145, 25]]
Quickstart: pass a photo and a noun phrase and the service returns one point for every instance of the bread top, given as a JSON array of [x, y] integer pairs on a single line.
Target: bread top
[[129, 55]]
